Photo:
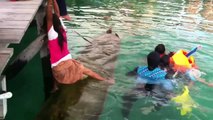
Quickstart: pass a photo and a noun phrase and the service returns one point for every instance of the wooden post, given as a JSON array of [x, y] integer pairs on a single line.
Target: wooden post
[[39, 17], [3, 103], [44, 53], [5, 54]]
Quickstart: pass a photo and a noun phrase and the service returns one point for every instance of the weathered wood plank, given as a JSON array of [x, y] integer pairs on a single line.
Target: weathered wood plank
[[14, 16], [15, 6], [14, 24], [8, 30], [11, 35], [3, 45], [5, 55], [11, 10], [29, 2], [10, 38]]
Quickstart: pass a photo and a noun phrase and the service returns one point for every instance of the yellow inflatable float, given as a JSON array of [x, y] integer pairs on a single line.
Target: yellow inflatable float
[[181, 62], [185, 101]]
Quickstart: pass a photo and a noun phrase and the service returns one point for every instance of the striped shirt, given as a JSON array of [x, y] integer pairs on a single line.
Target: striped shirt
[[151, 77]]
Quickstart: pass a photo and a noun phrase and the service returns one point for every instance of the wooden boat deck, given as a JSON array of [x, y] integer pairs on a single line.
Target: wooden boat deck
[[15, 18]]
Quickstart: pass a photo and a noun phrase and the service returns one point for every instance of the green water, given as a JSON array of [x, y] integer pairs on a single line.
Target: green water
[[179, 24], [141, 24]]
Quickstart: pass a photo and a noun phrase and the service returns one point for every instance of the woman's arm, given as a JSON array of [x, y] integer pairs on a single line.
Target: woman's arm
[[56, 8], [49, 14], [204, 82]]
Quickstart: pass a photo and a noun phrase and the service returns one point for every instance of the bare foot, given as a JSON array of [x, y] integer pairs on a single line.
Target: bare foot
[[66, 17]]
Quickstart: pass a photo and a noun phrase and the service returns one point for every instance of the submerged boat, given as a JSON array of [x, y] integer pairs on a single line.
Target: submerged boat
[[84, 100]]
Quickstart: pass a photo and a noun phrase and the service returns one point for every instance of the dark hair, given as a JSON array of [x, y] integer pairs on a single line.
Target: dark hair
[[153, 60], [57, 27], [164, 61], [160, 48]]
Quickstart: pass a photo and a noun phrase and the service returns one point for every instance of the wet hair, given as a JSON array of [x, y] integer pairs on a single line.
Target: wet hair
[[57, 27], [153, 60], [160, 48], [164, 61], [165, 64]]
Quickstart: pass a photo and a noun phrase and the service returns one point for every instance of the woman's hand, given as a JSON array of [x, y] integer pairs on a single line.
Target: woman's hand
[[210, 84]]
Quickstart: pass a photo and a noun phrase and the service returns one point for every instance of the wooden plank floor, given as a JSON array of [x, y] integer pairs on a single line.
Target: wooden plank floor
[[15, 18], [5, 55]]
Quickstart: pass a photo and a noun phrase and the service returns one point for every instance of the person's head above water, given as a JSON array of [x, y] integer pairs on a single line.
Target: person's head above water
[[153, 60], [164, 61], [160, 48]]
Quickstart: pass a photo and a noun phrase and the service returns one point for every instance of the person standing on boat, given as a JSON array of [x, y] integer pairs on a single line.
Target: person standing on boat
[[63, 9], [65, 69]]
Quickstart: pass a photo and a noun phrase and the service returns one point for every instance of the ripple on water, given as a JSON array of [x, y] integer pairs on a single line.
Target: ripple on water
[[181, 24]]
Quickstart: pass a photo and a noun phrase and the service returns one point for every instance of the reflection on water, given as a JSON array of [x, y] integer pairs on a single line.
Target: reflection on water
[[142, 24]]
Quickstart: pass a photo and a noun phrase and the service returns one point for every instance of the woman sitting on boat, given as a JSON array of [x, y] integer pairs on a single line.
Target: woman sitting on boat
[[66, 70]]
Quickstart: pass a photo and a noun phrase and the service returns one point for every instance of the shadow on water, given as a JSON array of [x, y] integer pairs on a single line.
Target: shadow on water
[[57, 105]]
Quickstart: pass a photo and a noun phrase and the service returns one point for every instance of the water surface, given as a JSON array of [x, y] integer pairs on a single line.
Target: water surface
[[142, 24]]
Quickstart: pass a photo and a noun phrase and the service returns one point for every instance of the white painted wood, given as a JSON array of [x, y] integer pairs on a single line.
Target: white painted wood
[[3, 103], [5, 55]]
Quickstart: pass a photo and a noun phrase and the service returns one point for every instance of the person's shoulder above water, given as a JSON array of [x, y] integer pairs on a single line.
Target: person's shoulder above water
[[153, 60]]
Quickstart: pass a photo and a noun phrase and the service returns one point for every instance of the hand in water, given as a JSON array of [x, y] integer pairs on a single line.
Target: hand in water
[[210, 84], [199, 47]]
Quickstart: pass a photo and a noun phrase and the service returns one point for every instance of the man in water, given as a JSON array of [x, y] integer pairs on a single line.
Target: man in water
[[148, 78]]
